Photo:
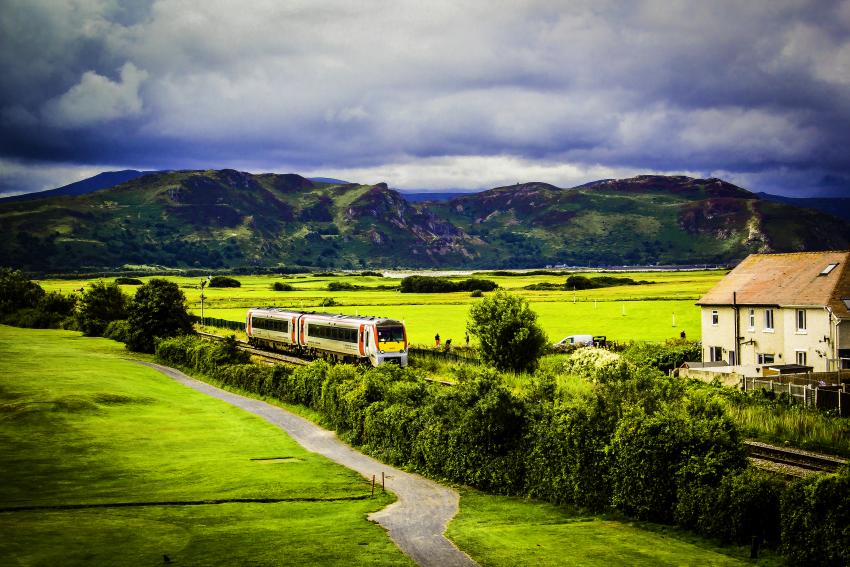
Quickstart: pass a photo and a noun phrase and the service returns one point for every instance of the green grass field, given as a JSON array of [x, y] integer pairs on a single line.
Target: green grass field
[[654, 312], [496, 530], [83, 426]]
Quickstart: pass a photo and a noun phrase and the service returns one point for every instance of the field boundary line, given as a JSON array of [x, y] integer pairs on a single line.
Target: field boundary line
[[209, 502]]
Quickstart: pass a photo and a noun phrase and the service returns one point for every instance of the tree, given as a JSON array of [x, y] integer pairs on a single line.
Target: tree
[[158, 310], [508, 332], [99, 305], [17, 292]]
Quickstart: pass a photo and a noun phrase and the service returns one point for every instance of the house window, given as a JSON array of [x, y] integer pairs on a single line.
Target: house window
[[828, 269], [768, 319], [801, 320], [715, 354], [752, 317], [801, 357], [732, 358], [765, 358], [715, 318]]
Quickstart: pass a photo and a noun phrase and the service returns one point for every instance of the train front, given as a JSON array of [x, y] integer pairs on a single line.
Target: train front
[[392, 342]]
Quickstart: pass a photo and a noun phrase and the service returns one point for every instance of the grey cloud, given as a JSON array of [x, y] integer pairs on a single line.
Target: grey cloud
[[746, 88]]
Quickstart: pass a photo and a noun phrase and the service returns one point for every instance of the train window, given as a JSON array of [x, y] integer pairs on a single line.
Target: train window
[[394, 334]]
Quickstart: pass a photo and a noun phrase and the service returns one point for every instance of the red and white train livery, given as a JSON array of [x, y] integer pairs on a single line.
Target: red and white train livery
[[345, 337]]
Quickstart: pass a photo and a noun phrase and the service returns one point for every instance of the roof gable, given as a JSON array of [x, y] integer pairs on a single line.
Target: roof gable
[[800, 278]]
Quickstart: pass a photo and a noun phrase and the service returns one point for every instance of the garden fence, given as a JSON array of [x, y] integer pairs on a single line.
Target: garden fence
[[824, 397], [221, 323]]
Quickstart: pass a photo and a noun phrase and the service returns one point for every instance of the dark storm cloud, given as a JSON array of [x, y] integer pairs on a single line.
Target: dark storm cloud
[[433, 94]]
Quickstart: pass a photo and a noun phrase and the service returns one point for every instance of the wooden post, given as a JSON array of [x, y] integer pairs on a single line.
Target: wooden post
[[373, 485], [383, 486]]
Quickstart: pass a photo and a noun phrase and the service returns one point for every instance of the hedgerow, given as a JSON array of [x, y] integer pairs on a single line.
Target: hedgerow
[[638, 441]]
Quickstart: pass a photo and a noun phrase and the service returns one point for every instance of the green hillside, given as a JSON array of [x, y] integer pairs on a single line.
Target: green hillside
[[226, 219]]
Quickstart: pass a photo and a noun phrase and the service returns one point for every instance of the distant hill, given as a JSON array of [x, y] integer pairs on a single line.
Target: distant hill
[[100, 181], [330, 180], [228, 219], [835, 206]]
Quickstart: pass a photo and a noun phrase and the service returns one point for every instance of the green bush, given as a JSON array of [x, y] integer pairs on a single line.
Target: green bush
[[664, 357], [371, 273], [281, 286], [100, 304], [128, 281], [507, 328], [158, 310], [476, 293], [343, 286], [815, 520], [17, 292], [328, 302], [117, 331], [430, 284], [224, 281]]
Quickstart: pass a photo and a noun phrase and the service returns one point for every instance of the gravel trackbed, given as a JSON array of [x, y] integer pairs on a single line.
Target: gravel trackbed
[[415, 522]]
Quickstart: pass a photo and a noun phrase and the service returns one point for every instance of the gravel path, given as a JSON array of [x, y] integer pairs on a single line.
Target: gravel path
[[415, 522]]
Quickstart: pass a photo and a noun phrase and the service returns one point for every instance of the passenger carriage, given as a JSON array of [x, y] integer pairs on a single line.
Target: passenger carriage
[[344, 337]]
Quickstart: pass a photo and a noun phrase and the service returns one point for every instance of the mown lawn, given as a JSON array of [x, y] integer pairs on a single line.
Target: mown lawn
[[635, 312], [498, 530], [79, 425]]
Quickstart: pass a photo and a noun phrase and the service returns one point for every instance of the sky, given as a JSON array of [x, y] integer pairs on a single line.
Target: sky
[[429, 95]]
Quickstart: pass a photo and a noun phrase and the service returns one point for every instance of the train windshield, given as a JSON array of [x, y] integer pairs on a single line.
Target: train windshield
[[393, 334]]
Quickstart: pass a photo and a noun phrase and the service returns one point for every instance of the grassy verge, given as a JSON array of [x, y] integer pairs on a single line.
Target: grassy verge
[[79, 425], [496, 530]]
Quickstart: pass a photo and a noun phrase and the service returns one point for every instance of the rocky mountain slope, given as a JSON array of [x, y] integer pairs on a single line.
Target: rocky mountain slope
[[226, 218]]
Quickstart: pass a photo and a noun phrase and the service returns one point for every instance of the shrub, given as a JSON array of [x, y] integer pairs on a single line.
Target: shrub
[[815, 516], [118, 330], [664, 357], [128, 281], [430, 284], [593, 363], [477, 293], [158, 310], [342, 286], [100, 304], [281, 286], [507, 329], [328, 302], [224, 281], [371, 273], [17, 292], [583, 282]]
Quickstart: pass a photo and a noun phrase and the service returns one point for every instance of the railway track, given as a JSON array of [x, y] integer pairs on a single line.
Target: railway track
[[791, 462]]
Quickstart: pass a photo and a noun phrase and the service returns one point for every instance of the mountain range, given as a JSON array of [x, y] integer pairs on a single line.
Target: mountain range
[[229, 219]]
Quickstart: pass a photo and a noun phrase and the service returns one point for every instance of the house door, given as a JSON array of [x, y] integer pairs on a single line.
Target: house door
[[733, 359]]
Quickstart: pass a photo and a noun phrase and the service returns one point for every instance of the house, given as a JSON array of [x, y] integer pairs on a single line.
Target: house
[[778, 309]]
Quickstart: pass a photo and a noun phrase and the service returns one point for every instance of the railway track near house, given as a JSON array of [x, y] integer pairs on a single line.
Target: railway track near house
[[791, 462]]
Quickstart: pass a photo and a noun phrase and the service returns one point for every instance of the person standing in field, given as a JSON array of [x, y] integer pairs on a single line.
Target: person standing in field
[[437, 339]]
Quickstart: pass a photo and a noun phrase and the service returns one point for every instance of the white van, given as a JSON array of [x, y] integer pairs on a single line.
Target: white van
[[579, 340]]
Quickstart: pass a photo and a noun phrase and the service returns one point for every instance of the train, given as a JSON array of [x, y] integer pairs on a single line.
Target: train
[[346, 338]]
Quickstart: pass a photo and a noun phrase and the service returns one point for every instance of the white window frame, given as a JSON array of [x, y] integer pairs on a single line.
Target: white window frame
[[800, 317], [797, 356], [715, 318], [769, 321], [762, 358], [752, 319]]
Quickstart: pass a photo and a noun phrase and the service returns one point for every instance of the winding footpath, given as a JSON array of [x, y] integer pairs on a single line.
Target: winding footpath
[[415, 522]]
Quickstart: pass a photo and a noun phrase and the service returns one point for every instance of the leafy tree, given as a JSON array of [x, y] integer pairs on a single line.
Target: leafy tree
[[507, 328], [224, 281], [100, 304], [17, 292], [158, 310]]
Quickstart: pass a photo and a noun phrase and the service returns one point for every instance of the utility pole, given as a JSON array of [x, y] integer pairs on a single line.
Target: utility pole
[[204, 283]]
